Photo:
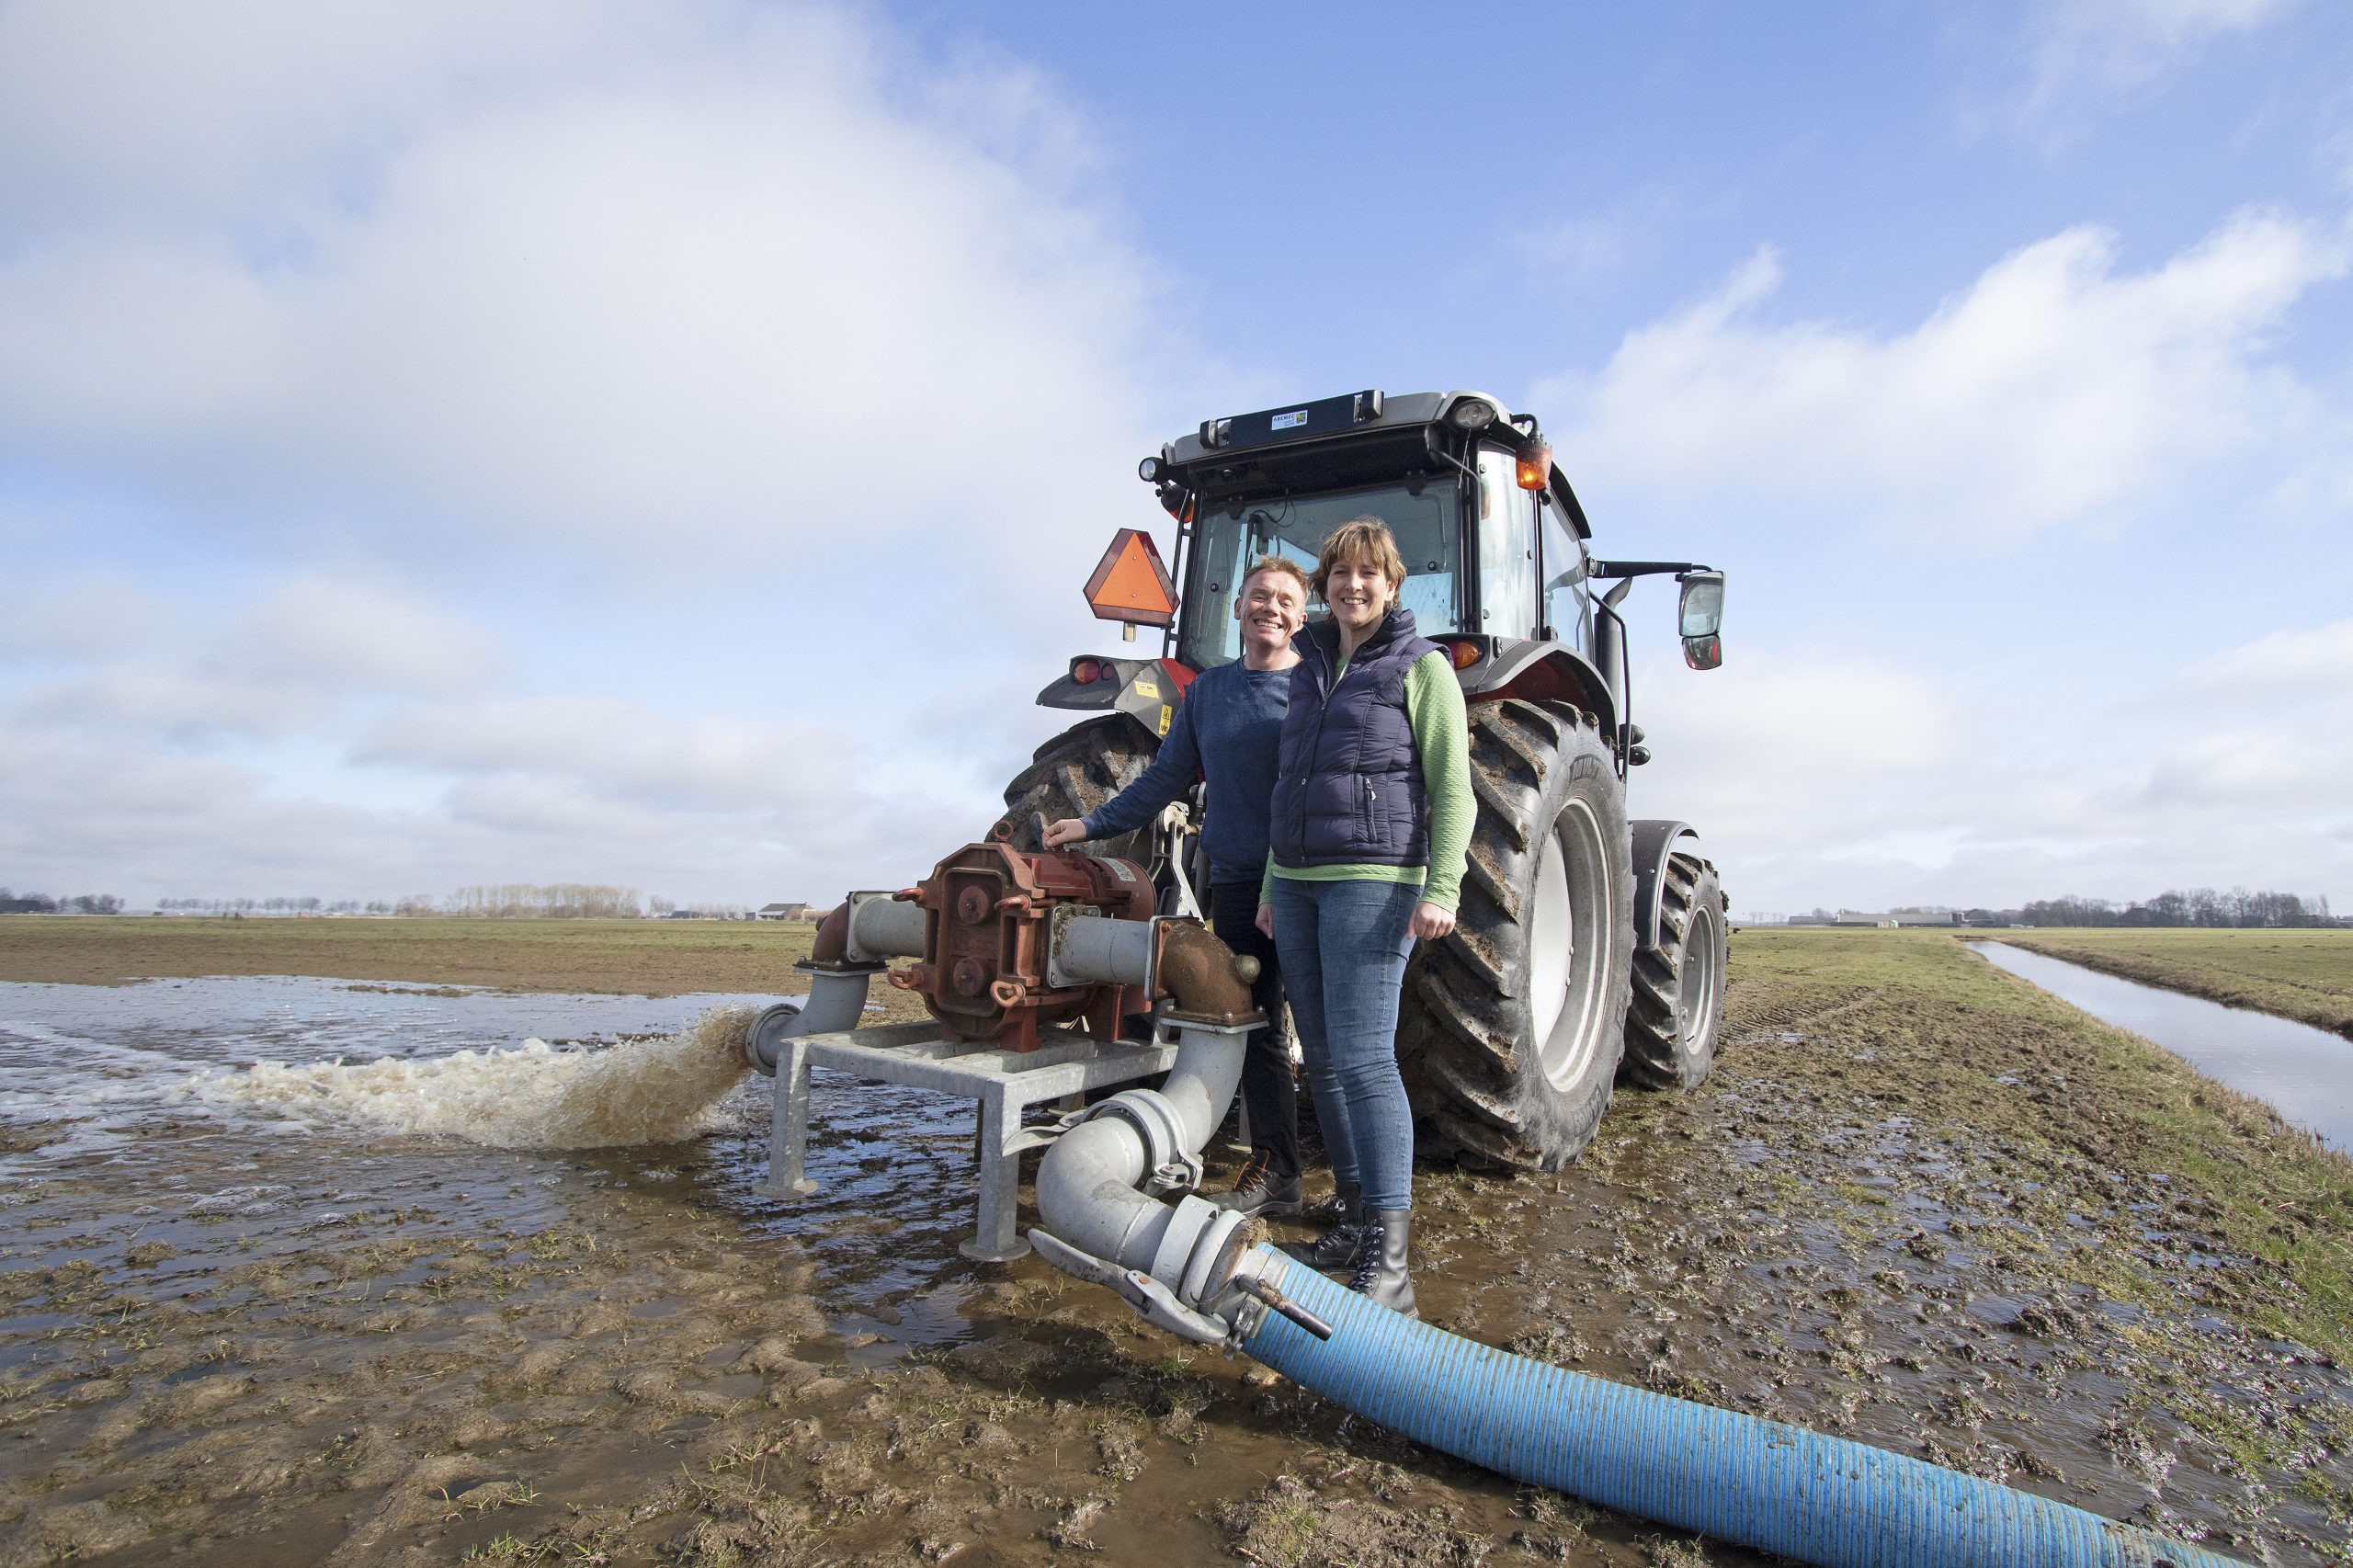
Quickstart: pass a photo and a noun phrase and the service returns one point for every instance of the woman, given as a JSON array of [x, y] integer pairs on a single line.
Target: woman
[[1371, 819]]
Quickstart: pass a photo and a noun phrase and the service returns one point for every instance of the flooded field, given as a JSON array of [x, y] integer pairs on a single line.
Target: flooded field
[[400, 1311]]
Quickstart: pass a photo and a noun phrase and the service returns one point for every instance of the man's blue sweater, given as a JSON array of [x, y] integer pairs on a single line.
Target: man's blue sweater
[[1228, 731]]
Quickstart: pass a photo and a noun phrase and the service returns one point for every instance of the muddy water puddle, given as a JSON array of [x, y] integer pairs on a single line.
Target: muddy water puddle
[[289, 1316]]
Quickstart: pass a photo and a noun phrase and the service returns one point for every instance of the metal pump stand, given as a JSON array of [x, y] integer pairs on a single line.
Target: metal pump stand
[[1005, 1082]]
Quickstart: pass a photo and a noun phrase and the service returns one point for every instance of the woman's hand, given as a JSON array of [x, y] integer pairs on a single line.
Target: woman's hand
[[1070, 830], [1429, 923], [1267, 920]]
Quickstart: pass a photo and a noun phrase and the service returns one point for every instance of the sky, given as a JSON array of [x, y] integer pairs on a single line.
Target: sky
[[664, 445]]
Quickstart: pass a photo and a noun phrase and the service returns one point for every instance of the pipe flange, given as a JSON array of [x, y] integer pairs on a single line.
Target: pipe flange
[[1193, 1216], [1196, 1288], [1058, 921], [770, 1029], [1149, 1112]]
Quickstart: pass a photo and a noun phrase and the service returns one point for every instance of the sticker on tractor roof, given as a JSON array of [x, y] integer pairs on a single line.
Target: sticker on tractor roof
[[1285, 421]]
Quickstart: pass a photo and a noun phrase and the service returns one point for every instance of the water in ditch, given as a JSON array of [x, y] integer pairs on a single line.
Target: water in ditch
[[2305, 1074]]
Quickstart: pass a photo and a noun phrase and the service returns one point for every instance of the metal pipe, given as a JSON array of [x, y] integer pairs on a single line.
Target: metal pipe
[[1088, 1183], [836, 1001], [883, 926], [1090, 949]]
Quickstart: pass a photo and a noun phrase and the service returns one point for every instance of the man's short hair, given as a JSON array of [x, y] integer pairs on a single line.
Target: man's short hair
[[1282, 567], [1365, 538]]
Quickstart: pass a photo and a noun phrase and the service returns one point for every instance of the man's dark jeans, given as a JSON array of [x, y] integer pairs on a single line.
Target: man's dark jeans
[[1267, 1092]]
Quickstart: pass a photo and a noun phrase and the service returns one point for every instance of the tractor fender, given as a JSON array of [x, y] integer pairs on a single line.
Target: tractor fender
[[1147, 690], [1541, 671], [1654, 841]]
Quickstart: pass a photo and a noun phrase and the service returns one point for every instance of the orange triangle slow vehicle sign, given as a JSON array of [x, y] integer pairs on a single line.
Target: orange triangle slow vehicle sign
[[1130, 584]]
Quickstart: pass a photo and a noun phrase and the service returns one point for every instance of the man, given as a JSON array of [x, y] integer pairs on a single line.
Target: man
[[1227, 733]]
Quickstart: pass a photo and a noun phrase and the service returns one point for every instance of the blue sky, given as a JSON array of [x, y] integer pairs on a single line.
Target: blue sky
[[662, 445]]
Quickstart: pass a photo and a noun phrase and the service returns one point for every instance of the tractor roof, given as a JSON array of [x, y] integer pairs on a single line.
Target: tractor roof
[[1356, 438]]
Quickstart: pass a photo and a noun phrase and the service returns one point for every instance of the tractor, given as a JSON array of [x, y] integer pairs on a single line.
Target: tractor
[[1589, 948]]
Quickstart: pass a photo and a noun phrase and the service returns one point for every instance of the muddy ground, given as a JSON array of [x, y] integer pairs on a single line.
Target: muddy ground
[[1919, 1204]]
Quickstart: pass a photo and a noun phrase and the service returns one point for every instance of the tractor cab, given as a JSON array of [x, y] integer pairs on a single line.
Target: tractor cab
[[1495, 540]]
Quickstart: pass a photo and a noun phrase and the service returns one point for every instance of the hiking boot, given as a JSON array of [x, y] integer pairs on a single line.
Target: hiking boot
[[1338, 1247], [1257, 1190], [1380, 1264], [1337, 1206]]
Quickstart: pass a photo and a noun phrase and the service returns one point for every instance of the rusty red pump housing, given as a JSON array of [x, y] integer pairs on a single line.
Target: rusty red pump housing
[[989, 914]]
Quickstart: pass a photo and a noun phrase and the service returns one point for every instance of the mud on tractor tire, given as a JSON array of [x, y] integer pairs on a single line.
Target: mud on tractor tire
[[1076, 771], [1512, 1027], [1679, 986]]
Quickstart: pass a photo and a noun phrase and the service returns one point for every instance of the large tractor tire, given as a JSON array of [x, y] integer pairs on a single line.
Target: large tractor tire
[[1077, 771], [1679, 985], [1512, 1027]]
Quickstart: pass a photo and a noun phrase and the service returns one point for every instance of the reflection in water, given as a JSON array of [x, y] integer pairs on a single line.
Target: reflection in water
[[2306, 1073]]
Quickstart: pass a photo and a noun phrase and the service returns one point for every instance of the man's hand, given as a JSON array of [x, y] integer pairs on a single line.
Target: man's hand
[[1070, 830], [1267, 920], [1430, 922]]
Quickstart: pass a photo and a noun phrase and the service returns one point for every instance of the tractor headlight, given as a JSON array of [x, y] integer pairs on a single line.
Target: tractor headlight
[[1471, 413]]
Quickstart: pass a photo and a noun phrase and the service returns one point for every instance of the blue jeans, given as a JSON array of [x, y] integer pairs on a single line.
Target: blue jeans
[[1343, 947]]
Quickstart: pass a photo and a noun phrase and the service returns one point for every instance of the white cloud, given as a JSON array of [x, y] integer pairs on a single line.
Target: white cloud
[[733, 349], [2054, 390], [1820, 780], [693, 279], [2101, 47]]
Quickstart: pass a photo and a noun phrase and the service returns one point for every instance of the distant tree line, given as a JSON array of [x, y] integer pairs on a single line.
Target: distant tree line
[[2236, 910], [419, 906], [557, 901], [42, 904]]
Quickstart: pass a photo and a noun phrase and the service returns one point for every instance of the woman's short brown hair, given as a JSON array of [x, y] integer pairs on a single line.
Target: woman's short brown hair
[[1365, 538], [1283, 566]]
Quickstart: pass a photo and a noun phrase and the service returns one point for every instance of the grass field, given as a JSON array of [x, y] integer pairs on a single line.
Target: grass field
[[653, 958], [2304, 975]]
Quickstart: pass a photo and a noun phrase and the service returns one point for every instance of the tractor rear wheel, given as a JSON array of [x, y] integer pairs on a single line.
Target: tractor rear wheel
[[1679, 985], [1077, 771], [1512, 1027]]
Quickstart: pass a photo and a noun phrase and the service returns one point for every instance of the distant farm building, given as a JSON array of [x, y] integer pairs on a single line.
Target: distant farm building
[[782, 912]]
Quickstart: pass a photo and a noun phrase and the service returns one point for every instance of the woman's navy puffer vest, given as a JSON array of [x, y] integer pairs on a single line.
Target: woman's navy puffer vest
[[1350, 788]]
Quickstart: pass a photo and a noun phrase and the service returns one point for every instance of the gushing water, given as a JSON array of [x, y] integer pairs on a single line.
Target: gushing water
[[530, 1097]]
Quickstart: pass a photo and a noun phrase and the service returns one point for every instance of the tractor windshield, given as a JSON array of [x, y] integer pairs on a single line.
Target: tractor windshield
[[1426, 525]]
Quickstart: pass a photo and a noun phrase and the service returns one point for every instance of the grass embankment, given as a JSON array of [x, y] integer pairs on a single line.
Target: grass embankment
[[2304, 975], [2252, 1185], [651, 957]]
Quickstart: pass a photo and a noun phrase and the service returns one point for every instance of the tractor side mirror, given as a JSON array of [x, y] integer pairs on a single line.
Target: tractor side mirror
[[1701, 618]]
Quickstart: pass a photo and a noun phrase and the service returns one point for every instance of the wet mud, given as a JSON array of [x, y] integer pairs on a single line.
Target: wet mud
[[1919, 1204]]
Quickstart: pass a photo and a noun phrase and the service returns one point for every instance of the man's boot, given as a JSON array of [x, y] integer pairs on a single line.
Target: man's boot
[[1257, 1190], [1381, 1266], [1339, 1247]]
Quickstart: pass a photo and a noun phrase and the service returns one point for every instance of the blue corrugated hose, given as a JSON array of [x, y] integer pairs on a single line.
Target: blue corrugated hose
[[1736, 1477]]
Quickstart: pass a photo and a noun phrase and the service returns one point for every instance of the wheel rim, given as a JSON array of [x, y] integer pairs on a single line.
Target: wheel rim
[[1569, 958], [1695, 1001]]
